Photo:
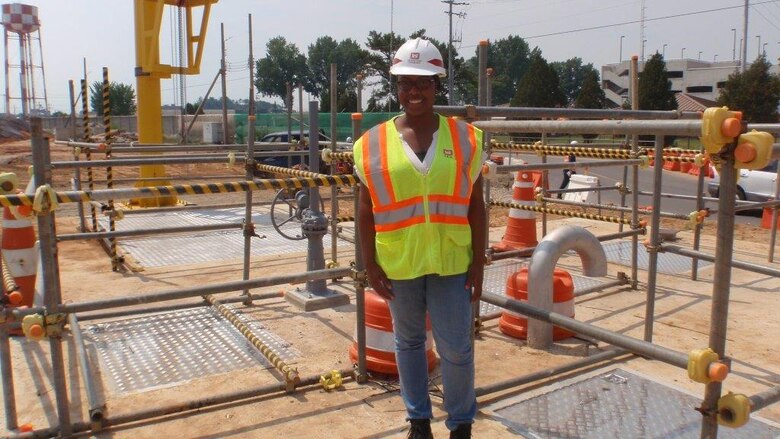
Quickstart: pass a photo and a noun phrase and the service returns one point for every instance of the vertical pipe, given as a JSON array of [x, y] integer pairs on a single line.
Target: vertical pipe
[[223, 71], [43, 74], [699, 206], [359, 92], [721, 289], [743, 43], [315, 259], [88, 151], [288, 104], [360, 292], [482, 94], [109, 169], [30, 58], [250, 166], [652, 249], [23, 75], [545, 183], [334, 203], [49, 269], [773, 223], [95, 407], [300, 110], [76, 156], [635, 180], [7, 377], [7, 87]]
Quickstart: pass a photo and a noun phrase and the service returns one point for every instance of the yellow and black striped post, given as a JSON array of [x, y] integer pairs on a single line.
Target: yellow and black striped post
[[109, 169], [561, 212], [87, 151]]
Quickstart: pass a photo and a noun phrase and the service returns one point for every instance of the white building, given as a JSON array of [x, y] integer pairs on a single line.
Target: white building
[[701, 79]]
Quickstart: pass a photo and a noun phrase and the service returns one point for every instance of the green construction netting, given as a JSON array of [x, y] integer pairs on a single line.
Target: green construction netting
[[274, 122]]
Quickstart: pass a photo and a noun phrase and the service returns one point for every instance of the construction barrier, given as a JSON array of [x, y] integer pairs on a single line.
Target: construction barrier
[[18, 251], [380, 341], [516, 325], [521, 227]]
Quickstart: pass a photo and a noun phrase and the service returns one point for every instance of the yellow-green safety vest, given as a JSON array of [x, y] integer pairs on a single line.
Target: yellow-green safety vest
[[421, 221]]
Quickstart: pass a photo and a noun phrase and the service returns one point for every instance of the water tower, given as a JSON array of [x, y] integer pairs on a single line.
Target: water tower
[[20, 22]]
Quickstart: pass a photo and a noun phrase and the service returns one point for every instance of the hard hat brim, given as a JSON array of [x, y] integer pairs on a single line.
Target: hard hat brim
[[399, 70]]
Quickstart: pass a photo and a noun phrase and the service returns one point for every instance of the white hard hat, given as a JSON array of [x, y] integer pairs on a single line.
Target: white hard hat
[[573, 142], [418, 57]]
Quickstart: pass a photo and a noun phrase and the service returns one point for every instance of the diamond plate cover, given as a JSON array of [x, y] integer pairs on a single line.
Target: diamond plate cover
[[619, 252], [163, 350], [617, 404]]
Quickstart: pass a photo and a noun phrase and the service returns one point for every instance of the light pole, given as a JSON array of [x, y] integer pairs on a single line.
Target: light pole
[[643, 49], [621, 47], [682, 53], [699, 57], [734, 45], [715, 58], [763, 50], [759, 45], [663, 51]]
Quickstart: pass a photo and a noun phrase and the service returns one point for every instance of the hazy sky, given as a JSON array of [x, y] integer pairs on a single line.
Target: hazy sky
[[102, 32]]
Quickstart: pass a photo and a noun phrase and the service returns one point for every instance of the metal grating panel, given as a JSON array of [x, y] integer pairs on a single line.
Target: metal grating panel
[[168, 349], [619, 252], [205, 246], [617, 404], [497, 273]]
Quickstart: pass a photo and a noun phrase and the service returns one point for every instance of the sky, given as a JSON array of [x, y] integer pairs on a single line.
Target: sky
[[101, 31]]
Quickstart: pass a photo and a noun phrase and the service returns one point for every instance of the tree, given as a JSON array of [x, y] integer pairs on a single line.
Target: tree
[[350, 60], [591, 95], [121, 97], [755, 92], [282, 64], [655, 88], [571, 74], [509, 58], [539, 87]]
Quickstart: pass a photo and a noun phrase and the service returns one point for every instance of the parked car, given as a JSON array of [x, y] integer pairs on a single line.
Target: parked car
[[285, 141], [753, 185]]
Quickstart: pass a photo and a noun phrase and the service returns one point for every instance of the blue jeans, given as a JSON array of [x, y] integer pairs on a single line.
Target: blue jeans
[[449, 306]]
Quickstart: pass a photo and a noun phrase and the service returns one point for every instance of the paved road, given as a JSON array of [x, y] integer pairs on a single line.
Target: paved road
[[672, 183]]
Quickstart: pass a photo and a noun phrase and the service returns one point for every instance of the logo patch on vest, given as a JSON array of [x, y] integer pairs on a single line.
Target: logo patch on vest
[[447, 153]]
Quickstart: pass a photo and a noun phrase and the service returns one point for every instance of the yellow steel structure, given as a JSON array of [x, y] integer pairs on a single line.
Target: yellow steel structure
[[149, 71]]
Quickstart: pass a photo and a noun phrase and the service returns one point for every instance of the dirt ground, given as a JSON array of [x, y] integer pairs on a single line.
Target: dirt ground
[[374, 409]]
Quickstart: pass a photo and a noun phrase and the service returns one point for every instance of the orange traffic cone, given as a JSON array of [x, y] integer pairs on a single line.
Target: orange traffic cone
[[18, 250], [516, 325], [521, 228], [380, 341]]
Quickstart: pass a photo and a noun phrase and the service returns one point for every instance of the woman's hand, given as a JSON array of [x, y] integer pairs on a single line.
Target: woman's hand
[[474, 279], [378, 280]]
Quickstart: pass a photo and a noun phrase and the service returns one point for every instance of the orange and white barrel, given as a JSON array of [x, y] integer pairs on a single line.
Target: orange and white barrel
[[521, 226], [380, 341], [19, 251], [516, 325]]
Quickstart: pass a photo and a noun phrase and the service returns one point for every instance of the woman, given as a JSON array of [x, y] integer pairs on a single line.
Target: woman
[[422, 232]]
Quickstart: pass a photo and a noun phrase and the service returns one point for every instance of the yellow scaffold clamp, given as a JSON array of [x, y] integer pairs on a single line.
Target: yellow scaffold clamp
[[704, 366], [719, 126], [331, 380], [37, 326], [326, 155], [538, 194], [231, 159], [733, 410], [645, 162], [697, 217], [45, 200], [489, 170]]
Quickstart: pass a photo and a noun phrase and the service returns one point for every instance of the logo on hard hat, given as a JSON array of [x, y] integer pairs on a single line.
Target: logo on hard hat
[[414, 58]]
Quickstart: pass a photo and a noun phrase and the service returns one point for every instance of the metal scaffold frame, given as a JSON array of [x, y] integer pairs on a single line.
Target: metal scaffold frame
[[679, 124]]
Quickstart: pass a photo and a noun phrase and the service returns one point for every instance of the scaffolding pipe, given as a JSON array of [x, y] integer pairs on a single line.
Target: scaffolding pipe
[[168, 308], [582, 189], [614, 208], [49, 270], [135, 147], [143, 232], [542, 265], [567, 165], [188, 189], [747, 266], [654, 241], [773, 221], [621, 280], [138, 162], [7, 376], [578, 113], [639, 347], [554, 211], [95, 407], [721, 283], [688, 128], [186, 406], [225, 287], [524, 252], [764, 399], [550, 372], [697, 229]]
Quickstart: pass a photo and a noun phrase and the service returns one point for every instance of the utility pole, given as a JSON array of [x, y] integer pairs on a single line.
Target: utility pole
[[223, 73], [743, 43], [450, 70], [642, 32]]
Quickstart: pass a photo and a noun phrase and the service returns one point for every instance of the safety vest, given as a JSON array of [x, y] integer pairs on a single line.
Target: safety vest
[[421, 221]]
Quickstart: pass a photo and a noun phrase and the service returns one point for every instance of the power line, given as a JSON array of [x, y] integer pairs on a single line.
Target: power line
[[451, 70]]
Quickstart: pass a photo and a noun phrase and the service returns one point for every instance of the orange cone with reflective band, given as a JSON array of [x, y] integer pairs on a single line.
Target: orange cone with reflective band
[[380, 341], [521, 227], [516, 325], [18, 250]]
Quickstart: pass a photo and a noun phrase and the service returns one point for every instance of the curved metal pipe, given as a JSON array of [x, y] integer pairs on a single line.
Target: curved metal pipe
[[542, 265]]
